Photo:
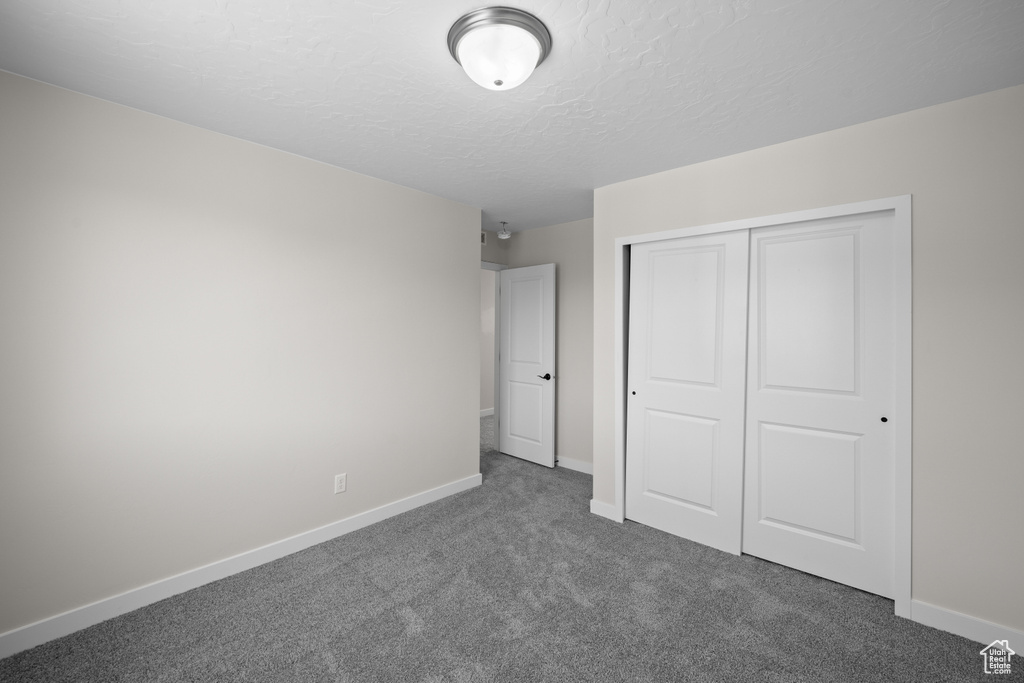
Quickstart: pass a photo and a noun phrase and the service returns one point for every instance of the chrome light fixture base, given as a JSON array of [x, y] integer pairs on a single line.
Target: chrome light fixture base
[[490, 16], [499, 47]]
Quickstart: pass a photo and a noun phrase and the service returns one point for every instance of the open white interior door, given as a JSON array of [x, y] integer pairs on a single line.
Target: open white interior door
[[526, 363]]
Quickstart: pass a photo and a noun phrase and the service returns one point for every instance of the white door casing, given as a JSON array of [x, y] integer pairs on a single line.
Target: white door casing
[[820, 445], [685, 384], [526, 363]]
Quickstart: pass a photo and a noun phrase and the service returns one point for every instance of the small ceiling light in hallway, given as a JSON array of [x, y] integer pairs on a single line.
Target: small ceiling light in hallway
[[499, 47]]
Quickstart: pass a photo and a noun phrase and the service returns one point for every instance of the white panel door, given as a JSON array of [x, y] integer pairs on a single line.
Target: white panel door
[[820, 448], [526, 363], [686, 370]]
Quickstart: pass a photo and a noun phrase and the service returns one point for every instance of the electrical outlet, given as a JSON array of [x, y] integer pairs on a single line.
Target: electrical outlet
[[340, 483]]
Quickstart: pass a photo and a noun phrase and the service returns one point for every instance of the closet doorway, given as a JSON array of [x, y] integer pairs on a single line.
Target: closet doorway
[[767, 390]]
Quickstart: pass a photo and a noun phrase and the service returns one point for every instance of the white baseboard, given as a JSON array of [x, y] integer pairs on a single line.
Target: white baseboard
[[74, 620], [487, 413], [975, 629], [575, 465], [605, 510]]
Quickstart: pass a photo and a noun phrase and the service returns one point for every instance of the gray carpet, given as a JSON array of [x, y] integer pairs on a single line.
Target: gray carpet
[[512, 581]]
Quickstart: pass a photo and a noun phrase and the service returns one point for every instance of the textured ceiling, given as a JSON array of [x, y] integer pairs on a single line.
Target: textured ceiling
[[630, 88]]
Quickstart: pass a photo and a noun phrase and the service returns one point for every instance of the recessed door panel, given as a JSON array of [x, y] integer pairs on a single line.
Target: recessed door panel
[[525, 418], [809, 481], [680, 462], [686, 301], [808, 291], [526, 327]]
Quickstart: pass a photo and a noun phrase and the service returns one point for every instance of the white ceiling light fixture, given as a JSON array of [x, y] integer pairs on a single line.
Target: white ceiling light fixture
[[504, 233], [499, 47]]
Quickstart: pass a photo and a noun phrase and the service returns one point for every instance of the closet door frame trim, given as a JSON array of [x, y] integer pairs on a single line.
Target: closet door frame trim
[[902, 368]]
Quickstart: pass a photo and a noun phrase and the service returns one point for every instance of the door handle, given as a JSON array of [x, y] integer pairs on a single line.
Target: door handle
[[546, 375]]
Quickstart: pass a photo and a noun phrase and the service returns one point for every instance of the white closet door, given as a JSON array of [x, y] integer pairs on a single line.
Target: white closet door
[[687, 335], [820, 448]]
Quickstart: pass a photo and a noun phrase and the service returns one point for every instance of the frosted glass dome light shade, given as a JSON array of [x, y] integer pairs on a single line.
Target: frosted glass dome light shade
[[499, 57], [499, 47]]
